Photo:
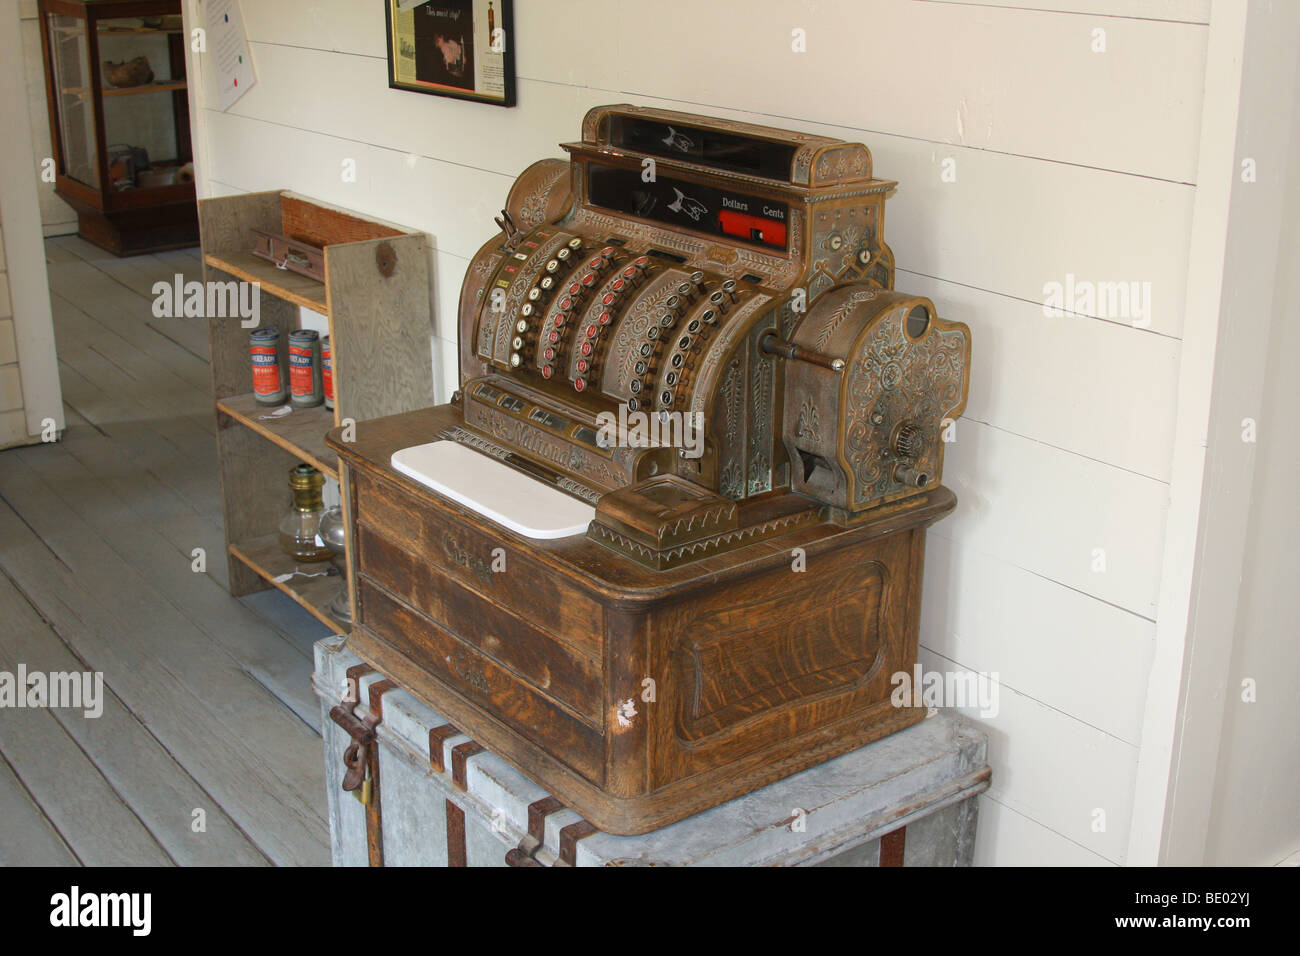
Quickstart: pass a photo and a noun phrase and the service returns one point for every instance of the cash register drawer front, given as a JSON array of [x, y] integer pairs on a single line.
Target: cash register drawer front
[[508, 577], [481, 680], [514, 642]]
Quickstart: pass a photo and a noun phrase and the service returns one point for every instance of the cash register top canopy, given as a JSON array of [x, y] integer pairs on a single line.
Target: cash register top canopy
[[744, 150]]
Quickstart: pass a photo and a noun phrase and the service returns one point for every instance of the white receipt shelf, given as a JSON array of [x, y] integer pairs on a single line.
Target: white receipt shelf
[[494, 490]]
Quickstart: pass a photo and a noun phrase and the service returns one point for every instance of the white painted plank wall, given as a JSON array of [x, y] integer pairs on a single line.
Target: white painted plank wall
[[1068, 161]]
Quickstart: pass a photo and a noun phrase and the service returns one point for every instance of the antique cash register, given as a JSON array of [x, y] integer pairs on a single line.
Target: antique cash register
[[665, 545]]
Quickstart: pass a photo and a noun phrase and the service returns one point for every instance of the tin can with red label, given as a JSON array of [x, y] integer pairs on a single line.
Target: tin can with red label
[[327, 371], [304, 368], [268, 376]]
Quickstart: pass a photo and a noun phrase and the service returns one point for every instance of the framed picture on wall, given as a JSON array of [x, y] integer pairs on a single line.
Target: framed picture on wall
[[460, 48]]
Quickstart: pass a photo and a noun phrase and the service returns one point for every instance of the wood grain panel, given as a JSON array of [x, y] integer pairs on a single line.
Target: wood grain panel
[[475, 676], [380, 328], [466, 556], [509, 639], [761, 646]]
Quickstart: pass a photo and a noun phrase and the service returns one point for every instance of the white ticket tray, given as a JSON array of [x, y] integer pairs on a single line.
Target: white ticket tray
[[495, 490]]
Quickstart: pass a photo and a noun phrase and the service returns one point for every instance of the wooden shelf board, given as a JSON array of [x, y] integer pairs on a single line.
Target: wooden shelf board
[[144, 88], [264, 556], [121, 31], [298, 289], [301, 432]]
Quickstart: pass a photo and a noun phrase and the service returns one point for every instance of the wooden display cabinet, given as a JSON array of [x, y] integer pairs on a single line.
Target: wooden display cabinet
[[121, 142], [376, 295]]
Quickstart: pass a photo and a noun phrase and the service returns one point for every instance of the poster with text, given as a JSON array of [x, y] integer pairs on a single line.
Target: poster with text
[[460, 48]]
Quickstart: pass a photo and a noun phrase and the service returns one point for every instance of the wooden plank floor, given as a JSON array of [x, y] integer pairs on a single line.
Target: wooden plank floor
[[208, 750]]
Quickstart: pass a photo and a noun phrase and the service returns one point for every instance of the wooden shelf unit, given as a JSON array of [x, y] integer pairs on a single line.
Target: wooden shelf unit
[[380, 331], [311, 585], [144, 88], [299, 289]]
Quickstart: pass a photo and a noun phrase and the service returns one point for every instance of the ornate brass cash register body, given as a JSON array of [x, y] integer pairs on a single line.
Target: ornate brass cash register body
[[653, 626]]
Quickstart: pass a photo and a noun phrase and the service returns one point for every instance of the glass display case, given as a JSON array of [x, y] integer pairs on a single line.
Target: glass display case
[[120, 121]]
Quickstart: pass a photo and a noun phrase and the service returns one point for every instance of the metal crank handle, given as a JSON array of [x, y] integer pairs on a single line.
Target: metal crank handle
[[773, 345]]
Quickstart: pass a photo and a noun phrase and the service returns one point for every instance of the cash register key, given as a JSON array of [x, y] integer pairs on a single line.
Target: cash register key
[[517, 344], [640, 368], [646, 349], [547, 371], [677, 359], [670, 378], [617, 286], [547, 282], [693, 326], [674, 304], [719, 301], [534, 294], [553, 336], [686, 291], [709, 316], [697, 280], [652, 333], [521, 326], [575, 242], [667, 320], [552, 265], [589, 280], [633, 404], [549, 354], [729, 287], [607, 253], [563, 254], [585, 347], [580, 383], [635, 386], [526, 309], [559, 319], [575, 289], [592, 330], [583, 366], [666, 398], [566, 304], [515, 360], [596, 264], [604, 318]]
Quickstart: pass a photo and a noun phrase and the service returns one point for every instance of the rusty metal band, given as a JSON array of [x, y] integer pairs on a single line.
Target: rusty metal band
[[460, 755], [569, 838], [437, 737], [457, 851], [354, 675], [525, 853], [374, 814], [892, 845]]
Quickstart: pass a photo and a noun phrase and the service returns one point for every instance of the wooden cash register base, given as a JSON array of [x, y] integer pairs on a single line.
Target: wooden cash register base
[[637, 697]]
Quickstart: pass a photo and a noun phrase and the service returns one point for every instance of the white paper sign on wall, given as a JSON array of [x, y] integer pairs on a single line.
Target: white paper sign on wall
[[228, 44]]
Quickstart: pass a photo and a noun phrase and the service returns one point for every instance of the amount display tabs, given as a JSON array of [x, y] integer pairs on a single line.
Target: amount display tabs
[[708, 147], [675, 202]]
